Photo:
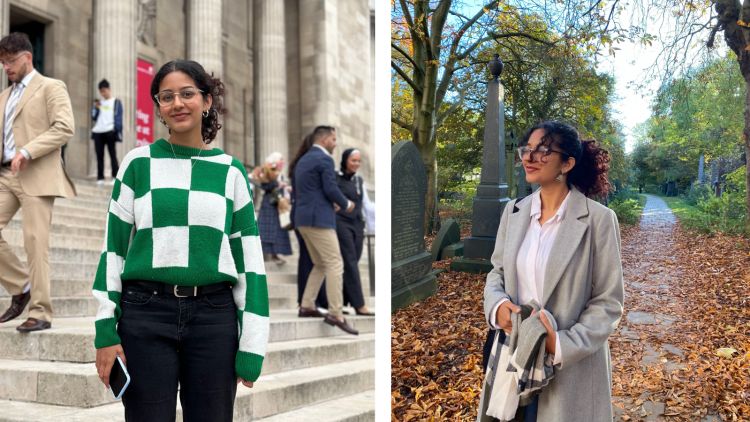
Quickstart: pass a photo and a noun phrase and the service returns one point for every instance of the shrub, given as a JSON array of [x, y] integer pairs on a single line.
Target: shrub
[[697, 193], [628, 210]]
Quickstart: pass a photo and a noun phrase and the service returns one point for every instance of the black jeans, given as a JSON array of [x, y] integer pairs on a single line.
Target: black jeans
[[351, 234], [108, 139], [167, 340]]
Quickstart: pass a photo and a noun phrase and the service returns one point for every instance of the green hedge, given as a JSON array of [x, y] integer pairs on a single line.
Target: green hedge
[[628, 205]]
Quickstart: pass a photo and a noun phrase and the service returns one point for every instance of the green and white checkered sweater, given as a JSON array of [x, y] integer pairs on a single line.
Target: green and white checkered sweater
[[185, 221]]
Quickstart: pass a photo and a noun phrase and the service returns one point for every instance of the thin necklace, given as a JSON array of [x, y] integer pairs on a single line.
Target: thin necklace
[[175, 155]]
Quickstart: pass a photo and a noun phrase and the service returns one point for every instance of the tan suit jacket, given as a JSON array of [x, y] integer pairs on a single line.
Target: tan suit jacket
[[43, 124], [583, 289]]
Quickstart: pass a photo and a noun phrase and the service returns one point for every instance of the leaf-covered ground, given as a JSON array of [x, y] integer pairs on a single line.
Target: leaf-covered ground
[[695, 288]]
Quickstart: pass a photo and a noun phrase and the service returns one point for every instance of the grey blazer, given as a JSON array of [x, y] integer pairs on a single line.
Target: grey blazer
[[583, 289]]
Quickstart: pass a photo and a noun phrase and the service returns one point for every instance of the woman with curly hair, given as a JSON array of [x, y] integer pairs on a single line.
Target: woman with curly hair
[[557, 279], [181, 284]]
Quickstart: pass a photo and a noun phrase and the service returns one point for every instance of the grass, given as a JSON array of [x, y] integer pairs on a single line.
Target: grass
[[692, 218]]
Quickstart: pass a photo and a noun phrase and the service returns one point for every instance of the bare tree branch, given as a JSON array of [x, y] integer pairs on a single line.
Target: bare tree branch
[[406, 77], [408, 57], [455, 106], [402, 124]]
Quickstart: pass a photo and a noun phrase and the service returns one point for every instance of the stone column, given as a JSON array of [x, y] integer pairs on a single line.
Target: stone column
[[319, 58], [204, 41], [114, 59], [204, 35], [270, 82], [4, 30]]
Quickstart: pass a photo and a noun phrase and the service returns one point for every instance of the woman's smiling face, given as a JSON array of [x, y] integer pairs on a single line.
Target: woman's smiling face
[[543, 167], [183, 111]]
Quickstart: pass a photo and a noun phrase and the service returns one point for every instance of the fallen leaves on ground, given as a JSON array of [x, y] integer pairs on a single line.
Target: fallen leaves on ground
[[701, 284], [436, 351], [698, 285]]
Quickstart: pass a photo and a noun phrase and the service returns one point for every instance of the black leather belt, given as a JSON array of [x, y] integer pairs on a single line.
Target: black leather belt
[[178, 291]]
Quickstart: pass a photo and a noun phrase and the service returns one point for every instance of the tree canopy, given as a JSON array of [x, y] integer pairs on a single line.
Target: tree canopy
[[439, 54]]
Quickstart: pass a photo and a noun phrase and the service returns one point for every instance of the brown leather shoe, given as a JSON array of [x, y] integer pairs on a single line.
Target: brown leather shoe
[[309, 313], [17, 305], [332, 320], [33, 324]]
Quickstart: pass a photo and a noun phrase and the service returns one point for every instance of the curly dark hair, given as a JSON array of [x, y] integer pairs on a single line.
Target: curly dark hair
[[589, 175], [307, 143], [14, 43], [208, 84]]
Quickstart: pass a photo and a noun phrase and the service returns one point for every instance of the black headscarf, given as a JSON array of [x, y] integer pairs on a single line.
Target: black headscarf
[[344, 158]]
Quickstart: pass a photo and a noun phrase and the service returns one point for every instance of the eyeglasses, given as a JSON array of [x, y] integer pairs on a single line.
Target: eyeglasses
[[5, 63], [540, 153], [166, 98]]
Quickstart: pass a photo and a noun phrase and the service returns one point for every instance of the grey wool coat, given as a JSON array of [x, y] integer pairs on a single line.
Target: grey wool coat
[[583, 289]]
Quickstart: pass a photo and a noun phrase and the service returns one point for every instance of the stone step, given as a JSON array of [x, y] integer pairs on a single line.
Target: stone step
[[72, 339], [14, 237], [273, 394], [82, 306], [41, 382], [94, 231], [62, 254], [355, 408], [287, 391], [97, 222], [73, 208]]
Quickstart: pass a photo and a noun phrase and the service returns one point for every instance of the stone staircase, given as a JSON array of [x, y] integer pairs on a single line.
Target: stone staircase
[[311, 371]]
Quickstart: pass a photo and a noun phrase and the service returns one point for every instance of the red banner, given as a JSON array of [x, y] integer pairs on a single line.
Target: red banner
[[144, 107]]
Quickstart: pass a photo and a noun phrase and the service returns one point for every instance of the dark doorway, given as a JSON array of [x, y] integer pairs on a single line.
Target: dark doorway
[[23, 22]]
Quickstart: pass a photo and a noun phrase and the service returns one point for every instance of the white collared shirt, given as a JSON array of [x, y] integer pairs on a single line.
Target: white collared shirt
[[531, 261], [9, 153], [324, 150]]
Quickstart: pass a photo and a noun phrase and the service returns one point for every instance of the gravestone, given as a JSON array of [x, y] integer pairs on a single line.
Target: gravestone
[[412, 278], [449, 234]]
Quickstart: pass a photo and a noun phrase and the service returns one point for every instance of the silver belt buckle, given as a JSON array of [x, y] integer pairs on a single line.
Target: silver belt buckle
[[195, 291]]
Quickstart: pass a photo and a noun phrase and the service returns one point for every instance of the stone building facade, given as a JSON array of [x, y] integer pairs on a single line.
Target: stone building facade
[[287, 65]]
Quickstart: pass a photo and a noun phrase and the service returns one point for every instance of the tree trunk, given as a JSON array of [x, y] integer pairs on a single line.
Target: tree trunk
[[431, 202], [746, 136]]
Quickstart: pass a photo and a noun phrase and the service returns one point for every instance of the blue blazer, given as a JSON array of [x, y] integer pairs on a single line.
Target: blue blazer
[[314, 190]]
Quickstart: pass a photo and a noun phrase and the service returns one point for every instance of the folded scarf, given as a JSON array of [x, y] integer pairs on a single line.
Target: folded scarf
[[519, 366]]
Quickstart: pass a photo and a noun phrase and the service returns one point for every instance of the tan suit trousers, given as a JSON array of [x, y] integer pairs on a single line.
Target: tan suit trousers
[[323, 245], [37, 219]]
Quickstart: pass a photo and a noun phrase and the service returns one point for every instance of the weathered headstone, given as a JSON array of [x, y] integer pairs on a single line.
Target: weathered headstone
[[492, 192], [412, 278], [450, 233]]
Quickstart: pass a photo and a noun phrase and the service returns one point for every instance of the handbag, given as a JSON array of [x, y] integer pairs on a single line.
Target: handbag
[[285, 215], [285, 220]]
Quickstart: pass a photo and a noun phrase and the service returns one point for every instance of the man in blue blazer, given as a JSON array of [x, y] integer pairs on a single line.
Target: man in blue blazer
[[316, 199]]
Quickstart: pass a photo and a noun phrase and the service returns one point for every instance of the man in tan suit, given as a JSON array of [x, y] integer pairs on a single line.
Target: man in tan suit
[[36, 120]]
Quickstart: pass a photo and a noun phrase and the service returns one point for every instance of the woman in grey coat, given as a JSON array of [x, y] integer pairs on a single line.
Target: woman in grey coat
[[562, 250]]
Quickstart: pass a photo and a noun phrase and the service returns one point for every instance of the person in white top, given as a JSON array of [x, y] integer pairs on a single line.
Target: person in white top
[[107, 130], [560, 249]]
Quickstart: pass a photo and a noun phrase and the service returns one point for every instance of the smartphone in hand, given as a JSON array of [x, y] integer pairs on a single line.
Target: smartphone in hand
[[119, 378]]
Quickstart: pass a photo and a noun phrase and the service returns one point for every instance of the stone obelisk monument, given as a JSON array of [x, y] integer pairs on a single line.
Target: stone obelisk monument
[[492, 192]]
